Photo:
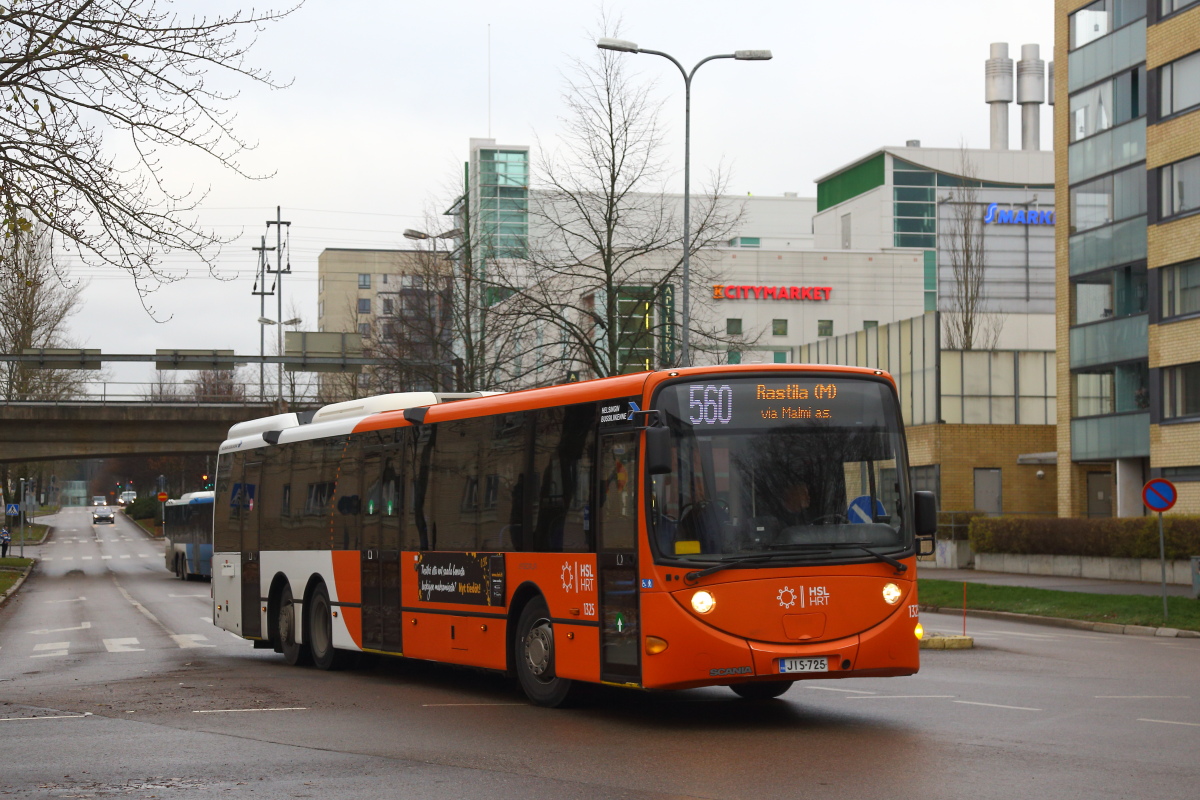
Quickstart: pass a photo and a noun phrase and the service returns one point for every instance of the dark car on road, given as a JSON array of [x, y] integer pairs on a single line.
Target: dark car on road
[[102, 512]]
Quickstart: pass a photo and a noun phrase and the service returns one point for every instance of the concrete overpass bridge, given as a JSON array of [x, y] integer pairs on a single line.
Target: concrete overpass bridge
[[43, 431]]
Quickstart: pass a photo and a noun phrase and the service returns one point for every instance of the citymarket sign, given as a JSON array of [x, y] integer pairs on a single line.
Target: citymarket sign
[[1017, 216], [732, 292]]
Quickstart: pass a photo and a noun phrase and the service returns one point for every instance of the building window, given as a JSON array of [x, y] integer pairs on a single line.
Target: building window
[[1182, 474], [914, 212], [1119, 389], [320, 284], [320, 308], [734, 357], [745, 241], [364, 329], [733, 327], [824, 327], [364, 305], [868, 324], [1120, 292], [1101, 18], [1108, 104], [385, 279], [387, 306], [780, 356], [1179, 85], [1109, 199], [1180, 185], [1181, 391], [1170, 7], [779, 327], [926, 479], [1180, 289], [364, 281]]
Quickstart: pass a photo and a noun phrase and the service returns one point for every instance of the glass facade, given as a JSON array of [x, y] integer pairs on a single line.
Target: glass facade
[[1105, 57], [914, 205], [1120, 436], [1107, 151], [1109, 342], [1109, 246], [1116, 389], [1103, 201], [503, 214], [1108, 104], [1121, 292], [998, 387]]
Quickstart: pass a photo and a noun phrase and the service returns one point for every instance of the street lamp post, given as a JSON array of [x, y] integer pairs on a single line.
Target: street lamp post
[[623, 46]]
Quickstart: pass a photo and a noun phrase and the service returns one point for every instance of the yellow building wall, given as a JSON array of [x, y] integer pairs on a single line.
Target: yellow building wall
[[960, 449]]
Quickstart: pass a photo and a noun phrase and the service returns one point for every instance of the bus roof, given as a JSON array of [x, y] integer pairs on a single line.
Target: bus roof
[[383, 412]]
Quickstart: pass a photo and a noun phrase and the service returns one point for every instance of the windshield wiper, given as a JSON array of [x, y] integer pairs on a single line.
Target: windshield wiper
[[898, 564], [698, 574]]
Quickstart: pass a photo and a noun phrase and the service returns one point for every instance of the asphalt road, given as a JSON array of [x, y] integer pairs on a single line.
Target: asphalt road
[[114, 684]]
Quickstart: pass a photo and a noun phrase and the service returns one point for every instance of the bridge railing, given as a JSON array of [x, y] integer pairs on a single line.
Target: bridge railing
[[304, 393]]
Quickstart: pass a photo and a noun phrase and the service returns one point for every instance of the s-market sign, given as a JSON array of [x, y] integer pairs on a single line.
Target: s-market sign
[[1017, 216]]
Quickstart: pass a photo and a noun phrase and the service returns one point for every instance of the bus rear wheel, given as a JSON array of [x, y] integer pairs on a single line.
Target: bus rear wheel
[[766, 690], [320, 630], [294, 653], [534, 654]]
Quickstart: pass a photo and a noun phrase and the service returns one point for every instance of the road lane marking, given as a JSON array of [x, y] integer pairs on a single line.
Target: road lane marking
[[996, 705], [1143, 697], [903, 697], [86, 558], [122, 645], [188, 595], [237, 710], [125, 556], [57, 648], [833, 689], [1171, 722], [106, 558], [186, 640], [460, 705], [48, 558], [61, 716], [81, 627], [70, 600]]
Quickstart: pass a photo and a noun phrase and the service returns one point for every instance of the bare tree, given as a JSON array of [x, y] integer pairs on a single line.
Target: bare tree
[[36, 305], [217, 386], [71, 72], [968, 323], [163, 388], [594, 292]]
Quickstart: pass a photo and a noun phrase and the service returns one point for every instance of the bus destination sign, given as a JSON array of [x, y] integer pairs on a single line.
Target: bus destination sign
[[744, 403], [470, 578]]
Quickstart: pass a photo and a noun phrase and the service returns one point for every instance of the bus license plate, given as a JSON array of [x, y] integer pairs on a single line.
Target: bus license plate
[[819, 664]]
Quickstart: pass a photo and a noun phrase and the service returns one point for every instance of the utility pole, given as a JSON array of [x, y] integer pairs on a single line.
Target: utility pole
[[260, 279], [279, 272]]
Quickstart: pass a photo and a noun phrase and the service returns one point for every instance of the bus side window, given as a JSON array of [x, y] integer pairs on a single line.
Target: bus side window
[[454, 483], [227, 530], [562, 463], [271, 534]]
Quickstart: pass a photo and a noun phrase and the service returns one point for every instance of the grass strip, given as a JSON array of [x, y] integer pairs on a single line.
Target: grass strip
[[1119, 609], [147, 525], [10, 571]]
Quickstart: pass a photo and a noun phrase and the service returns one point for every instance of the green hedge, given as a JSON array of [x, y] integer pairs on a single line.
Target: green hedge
[[144, 508], [1134, 537]]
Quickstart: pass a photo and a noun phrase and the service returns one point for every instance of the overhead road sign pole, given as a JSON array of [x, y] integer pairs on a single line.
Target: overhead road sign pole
[[1160, 495]]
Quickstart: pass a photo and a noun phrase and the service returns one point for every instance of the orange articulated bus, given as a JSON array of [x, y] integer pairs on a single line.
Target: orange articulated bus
[[747, 526]]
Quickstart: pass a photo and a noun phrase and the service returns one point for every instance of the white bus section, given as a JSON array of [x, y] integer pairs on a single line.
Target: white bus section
[[335, 419]]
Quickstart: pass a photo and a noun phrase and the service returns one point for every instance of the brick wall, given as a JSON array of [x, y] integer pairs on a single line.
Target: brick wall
[[1172, 38], [960, 449], [1175, 343], [1172, 242], [1175, 445]]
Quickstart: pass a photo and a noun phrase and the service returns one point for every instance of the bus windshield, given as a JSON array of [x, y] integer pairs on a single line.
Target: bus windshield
[[780, 464]]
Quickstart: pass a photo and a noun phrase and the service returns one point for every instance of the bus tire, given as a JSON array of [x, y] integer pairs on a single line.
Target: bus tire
[[533, 652], [319, 620], [765, 690], [294, 653]]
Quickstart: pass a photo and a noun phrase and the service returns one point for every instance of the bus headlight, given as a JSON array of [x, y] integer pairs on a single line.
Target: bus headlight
[[703, 602], [891, 594]]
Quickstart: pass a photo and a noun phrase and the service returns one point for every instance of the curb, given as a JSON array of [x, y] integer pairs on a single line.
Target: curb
[[947, 641], [1077, 624], [13, 589]]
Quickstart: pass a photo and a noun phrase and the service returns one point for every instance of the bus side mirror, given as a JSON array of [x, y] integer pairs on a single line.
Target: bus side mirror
[[658, 450], [925, 513]]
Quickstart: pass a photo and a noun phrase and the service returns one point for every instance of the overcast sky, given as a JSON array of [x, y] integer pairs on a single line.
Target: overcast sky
[[386, 95]]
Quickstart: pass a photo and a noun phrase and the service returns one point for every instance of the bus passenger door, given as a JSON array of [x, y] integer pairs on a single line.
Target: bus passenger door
[[248, 502], [369, 557], [616, 500]]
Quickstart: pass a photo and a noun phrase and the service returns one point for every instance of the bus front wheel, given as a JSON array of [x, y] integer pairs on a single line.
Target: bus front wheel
[[534, 655], [294, 653], [320, 630], [765, 690]]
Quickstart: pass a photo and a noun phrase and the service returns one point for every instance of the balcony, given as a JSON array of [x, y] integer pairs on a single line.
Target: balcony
[[1123, 339], [1104, 438]]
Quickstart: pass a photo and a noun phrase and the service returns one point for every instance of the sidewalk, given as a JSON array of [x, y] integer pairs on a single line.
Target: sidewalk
[[1057, 582]]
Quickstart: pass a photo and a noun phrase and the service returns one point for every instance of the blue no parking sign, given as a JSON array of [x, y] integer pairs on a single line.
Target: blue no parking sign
[[1159, 495]]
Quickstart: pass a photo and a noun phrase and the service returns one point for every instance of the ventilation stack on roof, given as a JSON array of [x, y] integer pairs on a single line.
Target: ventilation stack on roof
[[999, 92], [1031, 93]]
